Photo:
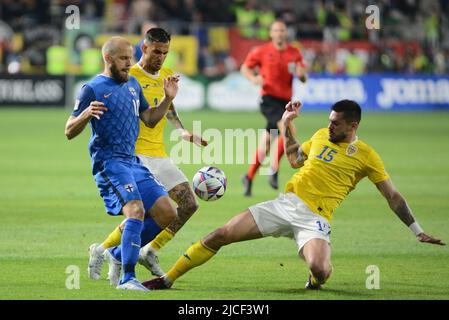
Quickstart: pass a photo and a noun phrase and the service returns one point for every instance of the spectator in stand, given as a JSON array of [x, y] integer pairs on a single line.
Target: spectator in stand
[[354, 65]]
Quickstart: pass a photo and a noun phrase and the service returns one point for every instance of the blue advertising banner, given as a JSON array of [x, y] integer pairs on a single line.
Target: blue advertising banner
[[376, 92]]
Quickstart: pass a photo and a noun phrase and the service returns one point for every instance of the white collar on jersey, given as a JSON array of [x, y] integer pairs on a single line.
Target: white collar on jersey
[[147, 73]]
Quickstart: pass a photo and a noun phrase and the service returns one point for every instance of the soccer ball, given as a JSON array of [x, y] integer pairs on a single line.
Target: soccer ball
[[209, 183]]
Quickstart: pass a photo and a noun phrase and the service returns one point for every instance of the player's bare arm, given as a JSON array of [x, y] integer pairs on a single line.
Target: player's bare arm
[[249, 73], [400, 207], [151, 116], [172, 116], [293, 151], [76, 125]]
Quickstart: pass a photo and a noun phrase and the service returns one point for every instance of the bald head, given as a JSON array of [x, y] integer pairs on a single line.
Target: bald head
[[117, 54], [113, 46]]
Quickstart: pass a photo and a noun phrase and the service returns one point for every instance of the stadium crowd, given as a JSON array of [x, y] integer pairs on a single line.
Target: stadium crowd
[[413, 35]]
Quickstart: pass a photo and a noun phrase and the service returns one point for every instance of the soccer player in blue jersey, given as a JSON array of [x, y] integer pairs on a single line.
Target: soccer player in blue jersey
[[113, 102]]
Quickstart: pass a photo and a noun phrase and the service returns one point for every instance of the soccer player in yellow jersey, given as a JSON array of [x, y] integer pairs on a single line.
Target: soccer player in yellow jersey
[[150, 149], [332, 162]]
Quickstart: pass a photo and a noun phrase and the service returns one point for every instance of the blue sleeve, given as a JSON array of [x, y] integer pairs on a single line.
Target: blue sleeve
[[85, 97], [143, 101]]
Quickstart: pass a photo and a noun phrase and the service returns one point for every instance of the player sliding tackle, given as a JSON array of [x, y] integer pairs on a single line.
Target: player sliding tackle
[[332, 162]]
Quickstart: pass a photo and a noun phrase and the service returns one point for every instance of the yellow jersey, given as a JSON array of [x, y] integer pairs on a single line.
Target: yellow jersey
[[150, 141], [332, 170]]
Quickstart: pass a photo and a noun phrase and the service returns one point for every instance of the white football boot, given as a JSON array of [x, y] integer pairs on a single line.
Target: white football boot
[[96, 260], [115, 267], [132, 284], [149, 259]]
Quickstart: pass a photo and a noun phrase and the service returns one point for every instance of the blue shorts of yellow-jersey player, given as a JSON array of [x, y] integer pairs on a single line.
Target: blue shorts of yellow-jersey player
[[122, 181]]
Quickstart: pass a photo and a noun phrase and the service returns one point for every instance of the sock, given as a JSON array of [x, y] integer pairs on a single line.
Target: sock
[[116, 252], [161, 240], [113, 239], [130, 247], [196, 255], [150, 230], [278, 156], [258, 159], [317, 282]]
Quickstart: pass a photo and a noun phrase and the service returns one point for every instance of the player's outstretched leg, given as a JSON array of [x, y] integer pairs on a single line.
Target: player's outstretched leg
[[240, 228], [183, 195], [317, 254]]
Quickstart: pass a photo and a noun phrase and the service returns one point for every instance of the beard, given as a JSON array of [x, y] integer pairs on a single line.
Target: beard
[[117, 75], [337, 138]]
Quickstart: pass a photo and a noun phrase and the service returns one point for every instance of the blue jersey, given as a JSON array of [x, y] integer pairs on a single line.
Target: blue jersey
[[114, 135]]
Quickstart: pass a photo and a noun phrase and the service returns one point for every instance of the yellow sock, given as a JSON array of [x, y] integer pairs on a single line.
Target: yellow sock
[[196, 255], [316, 282], [113, 239], [161, 240]]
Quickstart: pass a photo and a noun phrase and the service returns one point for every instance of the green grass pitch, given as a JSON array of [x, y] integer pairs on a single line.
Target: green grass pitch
[[51, 212]]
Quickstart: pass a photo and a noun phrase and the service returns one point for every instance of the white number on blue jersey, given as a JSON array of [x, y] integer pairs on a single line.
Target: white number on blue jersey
[[136, 104]]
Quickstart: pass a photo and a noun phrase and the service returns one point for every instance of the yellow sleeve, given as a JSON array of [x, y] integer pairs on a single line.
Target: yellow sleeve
[[305, 146], [375, 169]]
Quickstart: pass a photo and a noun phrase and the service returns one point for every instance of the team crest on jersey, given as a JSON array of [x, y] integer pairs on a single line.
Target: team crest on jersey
[[133, 91], [351, 150], [129, 187]]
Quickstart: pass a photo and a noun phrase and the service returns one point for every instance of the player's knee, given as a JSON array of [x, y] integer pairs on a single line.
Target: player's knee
[[134, 210]]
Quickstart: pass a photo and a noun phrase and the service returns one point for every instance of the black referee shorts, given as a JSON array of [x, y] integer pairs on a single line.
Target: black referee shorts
[[272, 108]]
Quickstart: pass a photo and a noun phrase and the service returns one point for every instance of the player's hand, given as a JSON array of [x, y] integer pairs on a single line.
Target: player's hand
[[197, 140], [257, 80], [95, 110], [291, 110], [303, 78], [171, 86], [429, 239]]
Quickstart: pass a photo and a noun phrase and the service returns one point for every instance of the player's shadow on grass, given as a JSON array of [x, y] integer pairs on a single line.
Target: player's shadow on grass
[[322, 293], [407, 284], [290, 291]]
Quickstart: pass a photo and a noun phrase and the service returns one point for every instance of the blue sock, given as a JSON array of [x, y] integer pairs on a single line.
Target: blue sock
[[150, 230], [116, 252], [130, 247]]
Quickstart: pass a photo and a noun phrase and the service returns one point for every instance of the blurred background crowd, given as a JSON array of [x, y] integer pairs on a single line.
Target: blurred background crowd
[[211, 37]]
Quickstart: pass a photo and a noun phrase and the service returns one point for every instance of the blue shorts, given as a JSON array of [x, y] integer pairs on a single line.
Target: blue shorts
[[120, 182]]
